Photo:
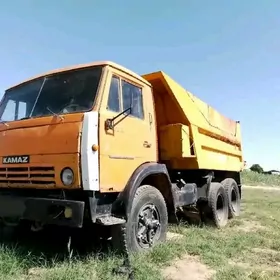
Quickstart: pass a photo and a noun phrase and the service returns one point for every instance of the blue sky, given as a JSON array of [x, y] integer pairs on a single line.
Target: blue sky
[[225, 52]]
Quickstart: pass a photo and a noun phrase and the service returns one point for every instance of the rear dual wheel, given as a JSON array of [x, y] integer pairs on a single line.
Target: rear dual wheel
[[218, 205], [233, 196]]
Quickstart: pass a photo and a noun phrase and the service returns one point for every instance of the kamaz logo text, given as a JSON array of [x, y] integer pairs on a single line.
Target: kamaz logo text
[[15, 159]]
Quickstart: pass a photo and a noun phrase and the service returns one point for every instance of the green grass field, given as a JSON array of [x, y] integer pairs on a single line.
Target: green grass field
[[248, 248], [255, 179]]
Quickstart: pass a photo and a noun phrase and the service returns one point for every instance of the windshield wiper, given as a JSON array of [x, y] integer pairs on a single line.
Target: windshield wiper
[[54, 114], [25, 118], [3, 122]]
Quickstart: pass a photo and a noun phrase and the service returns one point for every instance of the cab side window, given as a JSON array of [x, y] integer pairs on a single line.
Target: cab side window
[[132, 98], [114, 95]]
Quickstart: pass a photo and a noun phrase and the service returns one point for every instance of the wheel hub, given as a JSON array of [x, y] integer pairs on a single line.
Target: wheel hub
[[148, 226]]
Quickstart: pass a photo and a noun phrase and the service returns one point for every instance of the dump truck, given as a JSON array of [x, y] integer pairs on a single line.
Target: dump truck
[[99, 144]]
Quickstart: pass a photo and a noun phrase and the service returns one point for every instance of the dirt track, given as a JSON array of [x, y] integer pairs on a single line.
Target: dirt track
[[262, 188]]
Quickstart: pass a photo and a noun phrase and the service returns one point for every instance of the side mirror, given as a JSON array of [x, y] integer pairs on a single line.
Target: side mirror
[[109, 124]]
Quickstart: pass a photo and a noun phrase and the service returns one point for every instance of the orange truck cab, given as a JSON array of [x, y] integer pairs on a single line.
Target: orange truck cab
[[99, 144]]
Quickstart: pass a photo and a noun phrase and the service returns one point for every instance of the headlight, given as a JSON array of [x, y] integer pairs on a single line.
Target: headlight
[[67, 176]]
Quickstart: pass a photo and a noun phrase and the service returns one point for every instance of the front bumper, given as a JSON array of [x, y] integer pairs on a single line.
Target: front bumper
[[44, 210]]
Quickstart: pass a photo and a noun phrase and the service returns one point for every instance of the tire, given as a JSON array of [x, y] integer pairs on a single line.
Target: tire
[[218, 205], [233, 195], [146, 197]]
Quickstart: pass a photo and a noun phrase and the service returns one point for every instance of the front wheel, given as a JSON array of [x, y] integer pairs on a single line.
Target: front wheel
[[147, 222]]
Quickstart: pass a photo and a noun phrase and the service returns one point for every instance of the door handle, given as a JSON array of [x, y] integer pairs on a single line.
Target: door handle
[[146, 144]]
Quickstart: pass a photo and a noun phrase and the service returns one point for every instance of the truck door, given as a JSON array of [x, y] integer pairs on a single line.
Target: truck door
[[131, 141]]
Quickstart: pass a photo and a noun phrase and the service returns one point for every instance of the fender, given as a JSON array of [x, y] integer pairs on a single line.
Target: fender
[[125, 198]]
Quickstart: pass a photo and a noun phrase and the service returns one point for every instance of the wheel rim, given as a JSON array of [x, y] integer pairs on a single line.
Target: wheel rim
[[234, 200], [148, 226], [220, 205]]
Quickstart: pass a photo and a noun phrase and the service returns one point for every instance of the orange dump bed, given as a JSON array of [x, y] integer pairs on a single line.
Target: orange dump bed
[[191, 133]]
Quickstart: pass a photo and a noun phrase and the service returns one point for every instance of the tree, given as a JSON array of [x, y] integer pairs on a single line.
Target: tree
[[256, 168]]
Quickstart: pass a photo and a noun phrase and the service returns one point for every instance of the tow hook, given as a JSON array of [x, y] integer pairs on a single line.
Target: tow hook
[[36, 226]]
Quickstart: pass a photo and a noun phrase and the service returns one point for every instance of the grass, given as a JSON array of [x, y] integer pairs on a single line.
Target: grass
[[251, 178], [248, 248]]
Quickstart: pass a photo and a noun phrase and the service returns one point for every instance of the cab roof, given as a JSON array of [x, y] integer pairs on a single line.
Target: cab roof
[[80, 66]]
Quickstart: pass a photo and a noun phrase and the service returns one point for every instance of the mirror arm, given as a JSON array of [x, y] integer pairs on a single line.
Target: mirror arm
[[110, 122]]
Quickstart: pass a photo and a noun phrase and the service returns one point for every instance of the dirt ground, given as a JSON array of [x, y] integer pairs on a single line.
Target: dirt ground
[[188, 268]]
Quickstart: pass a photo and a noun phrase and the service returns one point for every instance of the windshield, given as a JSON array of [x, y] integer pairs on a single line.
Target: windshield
[[62, 93]]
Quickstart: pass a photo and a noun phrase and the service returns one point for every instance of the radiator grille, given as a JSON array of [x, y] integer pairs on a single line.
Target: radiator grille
[[35, 175]]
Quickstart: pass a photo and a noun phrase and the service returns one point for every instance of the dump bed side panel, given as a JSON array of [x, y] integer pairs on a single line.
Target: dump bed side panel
[[214, 140]]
